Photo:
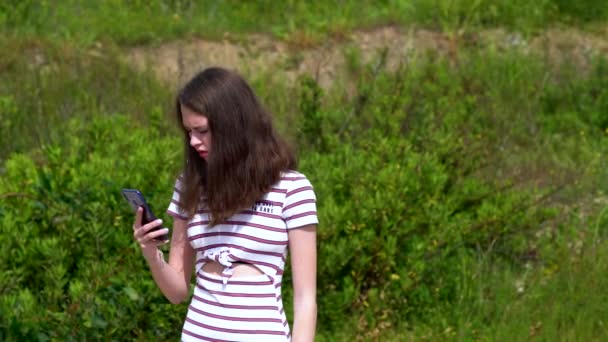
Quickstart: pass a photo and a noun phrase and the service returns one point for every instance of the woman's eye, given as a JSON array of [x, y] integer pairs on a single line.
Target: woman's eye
[[198, 131]]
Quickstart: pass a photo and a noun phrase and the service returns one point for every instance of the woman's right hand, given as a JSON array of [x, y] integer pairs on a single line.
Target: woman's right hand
[[146, 236]]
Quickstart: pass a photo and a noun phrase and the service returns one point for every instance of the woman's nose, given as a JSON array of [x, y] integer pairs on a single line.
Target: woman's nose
[[194, 140]]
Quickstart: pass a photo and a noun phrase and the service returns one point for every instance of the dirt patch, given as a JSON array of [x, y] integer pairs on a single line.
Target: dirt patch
[[559, 46], [176, 61], [571, 46]]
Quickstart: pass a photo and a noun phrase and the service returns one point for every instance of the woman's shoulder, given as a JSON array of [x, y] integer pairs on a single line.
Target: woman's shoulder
[[292, 179], [292, 175]]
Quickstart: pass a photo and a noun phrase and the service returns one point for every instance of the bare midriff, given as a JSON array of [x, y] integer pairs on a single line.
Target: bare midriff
[[240, 269]]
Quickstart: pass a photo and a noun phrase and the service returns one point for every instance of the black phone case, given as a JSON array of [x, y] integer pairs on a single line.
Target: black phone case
[[136, 200]]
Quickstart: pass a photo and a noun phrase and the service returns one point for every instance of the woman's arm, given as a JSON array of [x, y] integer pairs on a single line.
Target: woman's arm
[[172, 278], [303, 249]]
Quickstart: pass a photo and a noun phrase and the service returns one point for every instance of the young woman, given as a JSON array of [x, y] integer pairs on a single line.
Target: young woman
[[238, 206]]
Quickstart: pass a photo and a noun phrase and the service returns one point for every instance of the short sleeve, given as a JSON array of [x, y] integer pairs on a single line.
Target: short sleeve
[[300, 207], [176, 209]]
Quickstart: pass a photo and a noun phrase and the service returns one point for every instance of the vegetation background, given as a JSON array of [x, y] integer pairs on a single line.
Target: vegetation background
[[457, 147]]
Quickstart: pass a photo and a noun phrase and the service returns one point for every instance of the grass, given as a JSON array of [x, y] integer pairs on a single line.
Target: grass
[[301, 22], [564, 301], [561, 302], [44, 83]]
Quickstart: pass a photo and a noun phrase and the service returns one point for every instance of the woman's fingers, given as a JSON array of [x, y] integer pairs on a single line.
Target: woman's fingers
[[138, 215], [157, 233], [149, 226], [151, 239], [149, 232]]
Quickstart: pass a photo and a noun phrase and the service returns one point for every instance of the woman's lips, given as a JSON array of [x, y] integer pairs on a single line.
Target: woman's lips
[[202, 154]]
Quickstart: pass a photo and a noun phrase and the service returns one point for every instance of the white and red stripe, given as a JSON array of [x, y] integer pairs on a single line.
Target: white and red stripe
[[250, 308]]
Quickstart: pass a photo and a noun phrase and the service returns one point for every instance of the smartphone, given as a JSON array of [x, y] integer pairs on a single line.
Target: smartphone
[[136, 199]]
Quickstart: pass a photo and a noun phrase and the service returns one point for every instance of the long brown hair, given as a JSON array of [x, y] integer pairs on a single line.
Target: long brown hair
[[247, 155]]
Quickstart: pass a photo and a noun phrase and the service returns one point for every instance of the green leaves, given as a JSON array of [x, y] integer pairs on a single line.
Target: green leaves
[[422, 183], [67, 231], [424, 177]]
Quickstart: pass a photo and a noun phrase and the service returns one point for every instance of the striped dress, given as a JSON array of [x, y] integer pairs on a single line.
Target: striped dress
[[245, 308]]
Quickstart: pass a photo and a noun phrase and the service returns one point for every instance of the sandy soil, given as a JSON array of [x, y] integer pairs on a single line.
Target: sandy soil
[[173, 62]]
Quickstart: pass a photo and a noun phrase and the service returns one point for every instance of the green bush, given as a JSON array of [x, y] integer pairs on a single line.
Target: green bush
[[419, 184], [393, 220], [402, 205], [73, 271], [420, 181]]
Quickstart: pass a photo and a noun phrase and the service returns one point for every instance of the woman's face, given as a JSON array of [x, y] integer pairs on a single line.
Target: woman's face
[[197, 127]]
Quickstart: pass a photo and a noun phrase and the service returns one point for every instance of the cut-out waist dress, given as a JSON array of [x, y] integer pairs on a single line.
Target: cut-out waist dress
[[225, 308]]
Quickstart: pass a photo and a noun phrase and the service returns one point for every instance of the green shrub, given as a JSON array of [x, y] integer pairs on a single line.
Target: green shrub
[[418, 176], [419, 181], [396, 218], [73, 271]]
